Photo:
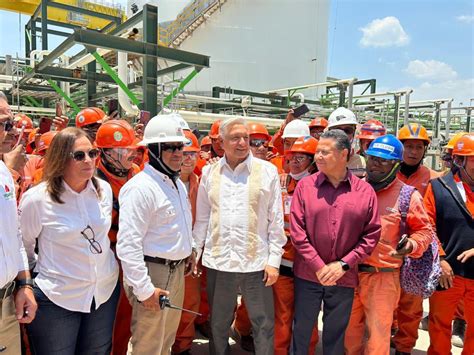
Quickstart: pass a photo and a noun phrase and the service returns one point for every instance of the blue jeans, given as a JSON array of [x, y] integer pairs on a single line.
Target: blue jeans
[[59, 331], [337, 311]]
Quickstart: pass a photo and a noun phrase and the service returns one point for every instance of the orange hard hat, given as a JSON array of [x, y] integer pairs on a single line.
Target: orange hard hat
[[115, 134], [45, 141], [258, 128], [372, 129], [319, 122], [214, 132], [31, 141], [23, 120], [206, 141], [465, 145], [452, 142], [193, 144], [306, 144], [413, 131], [89, 115]]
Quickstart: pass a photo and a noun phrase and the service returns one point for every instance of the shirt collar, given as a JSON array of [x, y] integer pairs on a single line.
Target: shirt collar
[[247, 163], [89, 187], [321, 178]]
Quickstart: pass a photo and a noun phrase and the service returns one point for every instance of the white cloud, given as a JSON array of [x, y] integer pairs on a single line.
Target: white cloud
[[384, 32], [465, 18], [430, 69]]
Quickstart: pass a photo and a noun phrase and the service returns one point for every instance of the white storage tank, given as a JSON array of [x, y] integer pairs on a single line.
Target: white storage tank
[[258, 45]]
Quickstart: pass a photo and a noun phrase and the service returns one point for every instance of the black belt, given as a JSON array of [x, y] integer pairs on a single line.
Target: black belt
[[369, 268], [171, 263], [7, 290]]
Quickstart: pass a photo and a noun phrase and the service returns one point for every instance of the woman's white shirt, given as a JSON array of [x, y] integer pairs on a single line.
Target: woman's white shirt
[[69, 273]]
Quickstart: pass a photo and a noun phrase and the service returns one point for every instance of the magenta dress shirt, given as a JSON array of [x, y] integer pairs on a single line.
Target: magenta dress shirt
[[329, 224]]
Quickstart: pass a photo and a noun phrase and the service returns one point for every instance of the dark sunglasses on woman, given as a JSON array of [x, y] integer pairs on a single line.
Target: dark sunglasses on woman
[[80, 155]]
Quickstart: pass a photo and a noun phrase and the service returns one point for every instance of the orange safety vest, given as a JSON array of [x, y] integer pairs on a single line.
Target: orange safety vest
[[288, 187]]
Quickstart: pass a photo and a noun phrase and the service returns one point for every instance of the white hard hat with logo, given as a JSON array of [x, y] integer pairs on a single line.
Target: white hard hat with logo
[[162, 129], [295, 129], [342, 116], [184, 125]]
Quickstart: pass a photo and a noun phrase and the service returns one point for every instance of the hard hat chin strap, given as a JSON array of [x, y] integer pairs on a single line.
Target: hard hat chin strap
[[462, 168], [156, 161], [379, 184]]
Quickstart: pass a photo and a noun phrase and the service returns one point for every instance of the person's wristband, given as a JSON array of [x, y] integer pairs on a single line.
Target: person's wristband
[[25, 283]]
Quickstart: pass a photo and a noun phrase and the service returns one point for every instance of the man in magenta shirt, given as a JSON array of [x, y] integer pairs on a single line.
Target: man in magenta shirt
[[334, 225]]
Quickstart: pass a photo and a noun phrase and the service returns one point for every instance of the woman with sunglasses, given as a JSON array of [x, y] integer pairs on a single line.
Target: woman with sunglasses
[[69, 214]]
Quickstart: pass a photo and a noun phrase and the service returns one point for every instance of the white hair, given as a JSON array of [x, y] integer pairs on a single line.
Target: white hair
[[228, 124]]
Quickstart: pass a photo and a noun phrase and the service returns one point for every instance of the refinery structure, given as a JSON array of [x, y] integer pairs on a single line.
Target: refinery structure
[[203, 58]]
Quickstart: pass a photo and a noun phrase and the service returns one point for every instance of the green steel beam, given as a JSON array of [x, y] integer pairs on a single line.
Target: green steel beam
[[56, 33], [83, 11], [181, 86], [91, 83], [63, 95], [92, 39], [76, 76], [150, 65], [172, 69], [44, 25], [115, 77], [132, 21]]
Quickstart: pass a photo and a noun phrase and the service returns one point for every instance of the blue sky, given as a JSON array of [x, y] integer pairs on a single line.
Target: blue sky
[[427, 45], [420, 44]]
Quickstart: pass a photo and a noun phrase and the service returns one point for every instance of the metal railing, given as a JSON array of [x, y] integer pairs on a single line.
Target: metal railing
[[189, 15]]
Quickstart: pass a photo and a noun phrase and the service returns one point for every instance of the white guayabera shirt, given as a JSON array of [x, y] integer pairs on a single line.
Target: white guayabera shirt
[[239, 219]]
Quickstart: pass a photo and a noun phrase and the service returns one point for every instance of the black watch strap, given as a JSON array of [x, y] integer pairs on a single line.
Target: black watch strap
[[24, 282], [345, 266]]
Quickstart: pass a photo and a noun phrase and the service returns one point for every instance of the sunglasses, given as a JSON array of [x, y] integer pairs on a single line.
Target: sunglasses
[[172, 147], [80, 155], [298, 158], [7, 125], [379, 161], [348, 130], [257, 143]]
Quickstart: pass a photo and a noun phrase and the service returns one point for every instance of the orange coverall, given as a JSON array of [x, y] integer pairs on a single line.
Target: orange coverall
[[445, 304], [192, 289], [123, 316], [377, 295], [410, 307]]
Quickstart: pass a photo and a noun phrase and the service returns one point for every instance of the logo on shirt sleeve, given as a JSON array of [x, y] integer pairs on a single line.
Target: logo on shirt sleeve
[[8, 193]]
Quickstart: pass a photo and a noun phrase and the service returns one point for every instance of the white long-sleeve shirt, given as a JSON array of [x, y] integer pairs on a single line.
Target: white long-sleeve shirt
[[69, 273], [155, 220], [12, 253], [239, 219]]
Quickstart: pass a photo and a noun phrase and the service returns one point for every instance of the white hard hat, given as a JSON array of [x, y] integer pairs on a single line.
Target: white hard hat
[[184, 125], [341, 116], [163, 128], [296, 129]]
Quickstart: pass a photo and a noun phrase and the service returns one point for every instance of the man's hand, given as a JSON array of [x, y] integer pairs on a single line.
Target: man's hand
[[270, 275], [25, 305], [16, 158], [204, 155], [190, 264], [153, 302], [330, 273], [447, 275], [270, 156], [465, 255], [60, 122], [406, 249]]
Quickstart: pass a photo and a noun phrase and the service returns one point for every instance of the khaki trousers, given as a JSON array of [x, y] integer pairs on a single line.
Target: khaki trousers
[[153, 332], [9, 327]]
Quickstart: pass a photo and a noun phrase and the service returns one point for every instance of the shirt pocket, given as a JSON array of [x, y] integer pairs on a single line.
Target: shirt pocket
[[168, 214]]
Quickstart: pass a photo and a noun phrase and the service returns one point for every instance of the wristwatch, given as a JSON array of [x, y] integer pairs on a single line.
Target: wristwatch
[[24, 283], [345, 266]]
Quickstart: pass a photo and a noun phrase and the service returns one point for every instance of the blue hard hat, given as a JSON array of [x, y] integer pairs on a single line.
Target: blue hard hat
[[386, 147]]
